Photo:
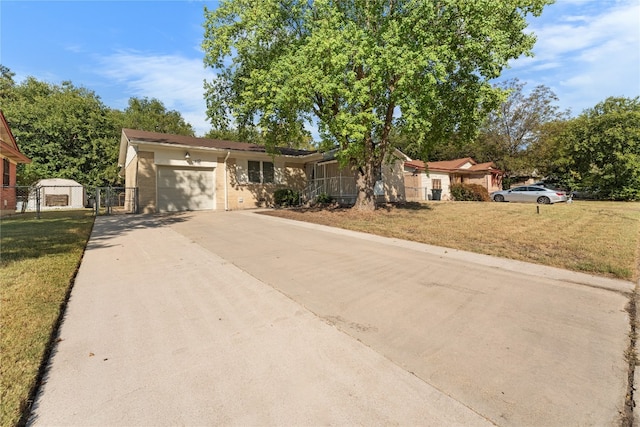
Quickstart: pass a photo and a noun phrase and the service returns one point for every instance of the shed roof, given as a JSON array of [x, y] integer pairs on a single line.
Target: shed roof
[[58, 182]]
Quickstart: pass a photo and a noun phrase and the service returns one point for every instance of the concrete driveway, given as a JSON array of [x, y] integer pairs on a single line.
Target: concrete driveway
[[236, 318]]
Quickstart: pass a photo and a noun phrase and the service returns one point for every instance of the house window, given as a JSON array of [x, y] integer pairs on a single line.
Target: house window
[[267, 172], [436, 184], [6, 174], [261, 172]]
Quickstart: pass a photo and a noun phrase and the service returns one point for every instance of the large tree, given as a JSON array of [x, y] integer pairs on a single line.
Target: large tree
[[601, 149], [359, 68], [152, 115], [68, 132], [510, 132]]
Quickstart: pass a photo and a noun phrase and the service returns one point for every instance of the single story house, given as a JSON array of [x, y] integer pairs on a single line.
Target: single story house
[[176, 173], [432, 180], [10, 157]]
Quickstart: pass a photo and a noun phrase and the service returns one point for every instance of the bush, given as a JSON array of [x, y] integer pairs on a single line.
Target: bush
[[324, 199], [469, 193], [286, 197]]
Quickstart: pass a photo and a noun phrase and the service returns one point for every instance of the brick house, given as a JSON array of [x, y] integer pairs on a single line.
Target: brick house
[[176, 173], [10, 157]]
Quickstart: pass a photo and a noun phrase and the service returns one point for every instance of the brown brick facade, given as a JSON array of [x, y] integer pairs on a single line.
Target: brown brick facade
[[8, 194], [146, 182]]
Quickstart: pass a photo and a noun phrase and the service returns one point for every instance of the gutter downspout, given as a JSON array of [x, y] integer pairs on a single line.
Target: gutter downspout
[[226, 191]]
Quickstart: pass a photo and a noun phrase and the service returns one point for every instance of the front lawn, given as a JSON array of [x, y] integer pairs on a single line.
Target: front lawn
[[593, 237], [38, 260]]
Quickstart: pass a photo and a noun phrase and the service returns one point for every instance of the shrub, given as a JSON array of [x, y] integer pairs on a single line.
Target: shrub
[[286, 197], [324, 199], [469, 193]]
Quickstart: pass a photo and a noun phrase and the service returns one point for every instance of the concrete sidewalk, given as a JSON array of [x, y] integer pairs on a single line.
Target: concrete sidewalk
[[161, 331], [237, 318]]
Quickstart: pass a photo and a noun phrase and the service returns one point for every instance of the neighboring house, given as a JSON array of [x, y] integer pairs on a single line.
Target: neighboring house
[[432, 180], [10, 156], [177, 173], [57, 193], [327, 177], [524, 178]]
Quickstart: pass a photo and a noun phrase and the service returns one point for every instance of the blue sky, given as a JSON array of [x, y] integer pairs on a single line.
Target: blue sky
[[587, 50]]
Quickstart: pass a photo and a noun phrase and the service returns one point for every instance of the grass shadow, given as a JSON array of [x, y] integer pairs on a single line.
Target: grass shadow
[[409, 206]]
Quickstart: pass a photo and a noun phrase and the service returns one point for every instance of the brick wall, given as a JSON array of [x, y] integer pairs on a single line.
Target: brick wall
[[147, 182], [242, 195], [8, 195]]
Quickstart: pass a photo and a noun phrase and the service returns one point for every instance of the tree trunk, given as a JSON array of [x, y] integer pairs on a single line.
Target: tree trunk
[[365, 182]]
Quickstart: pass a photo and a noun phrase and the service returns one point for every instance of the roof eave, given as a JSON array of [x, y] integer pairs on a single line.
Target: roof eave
[[14, 155]]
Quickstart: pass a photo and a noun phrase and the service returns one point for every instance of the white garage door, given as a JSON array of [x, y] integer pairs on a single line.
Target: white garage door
[[185, 189]]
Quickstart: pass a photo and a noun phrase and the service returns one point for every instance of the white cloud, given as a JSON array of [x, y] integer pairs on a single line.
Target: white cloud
[[175, 80], [586, 52]]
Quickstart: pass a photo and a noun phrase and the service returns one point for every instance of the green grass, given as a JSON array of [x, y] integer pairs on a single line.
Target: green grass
[[38, 259], [601, 238]]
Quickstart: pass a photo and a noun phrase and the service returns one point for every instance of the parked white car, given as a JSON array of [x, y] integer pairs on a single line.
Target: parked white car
[[529, 193]]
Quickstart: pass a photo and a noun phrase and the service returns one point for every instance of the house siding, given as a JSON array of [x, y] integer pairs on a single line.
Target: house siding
[[419, 186], [244, 195], [131, 181], [486, 180], [8, 194], [147, 181], [393, 182], [295, 176]]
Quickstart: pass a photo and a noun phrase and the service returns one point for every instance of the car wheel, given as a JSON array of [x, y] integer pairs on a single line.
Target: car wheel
[[544, 200], [498, 198]]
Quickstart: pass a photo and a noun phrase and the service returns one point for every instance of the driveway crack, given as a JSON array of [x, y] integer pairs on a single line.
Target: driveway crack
[[631, 355]]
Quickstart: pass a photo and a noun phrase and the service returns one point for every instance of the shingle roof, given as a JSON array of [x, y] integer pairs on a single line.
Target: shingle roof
[[451, 165], [482, 166], [191, 141]]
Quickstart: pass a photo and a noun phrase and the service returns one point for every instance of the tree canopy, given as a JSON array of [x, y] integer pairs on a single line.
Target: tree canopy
[[509, 132], [68, 132], [151, 115], [601, 149], [360, 69]]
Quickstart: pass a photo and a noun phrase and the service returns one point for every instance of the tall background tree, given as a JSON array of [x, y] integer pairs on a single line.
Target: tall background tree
[[361, 69], [65, 130], [510, 132], [151, 115], [600, 149], [68, 132], [519, 136]]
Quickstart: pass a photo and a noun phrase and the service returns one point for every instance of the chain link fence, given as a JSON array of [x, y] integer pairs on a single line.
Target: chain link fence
[[114, 200], [23, 200]]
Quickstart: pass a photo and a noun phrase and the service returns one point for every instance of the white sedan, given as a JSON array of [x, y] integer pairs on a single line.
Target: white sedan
[[529, 193]]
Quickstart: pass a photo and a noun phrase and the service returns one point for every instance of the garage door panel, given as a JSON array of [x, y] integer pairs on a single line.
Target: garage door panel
[[181, 189]]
